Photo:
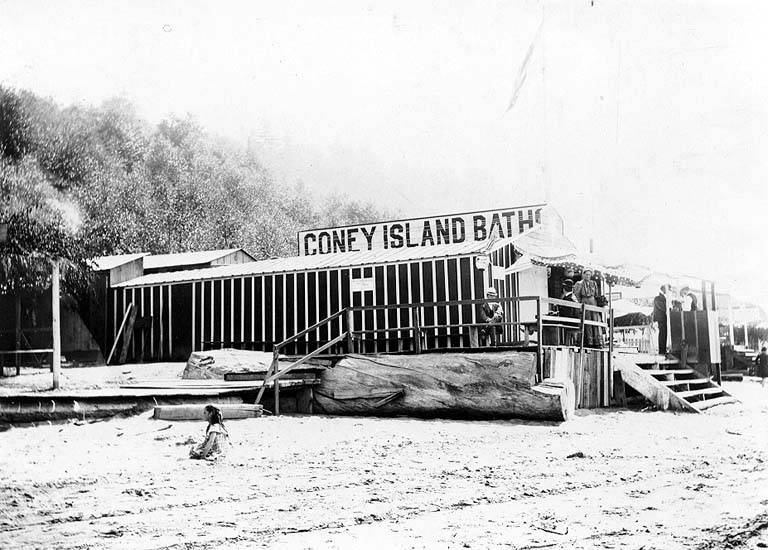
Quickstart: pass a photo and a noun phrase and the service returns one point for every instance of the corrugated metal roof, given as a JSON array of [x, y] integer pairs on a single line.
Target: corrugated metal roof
[[159, 261], [105, 263], [329, 261]]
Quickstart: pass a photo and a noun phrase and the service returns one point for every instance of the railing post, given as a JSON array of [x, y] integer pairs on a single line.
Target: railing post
[[416, 330], [540, 332], [274, 369], [350, 328]]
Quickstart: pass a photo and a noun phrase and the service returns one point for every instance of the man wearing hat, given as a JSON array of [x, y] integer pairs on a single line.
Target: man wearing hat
[[491, 314]]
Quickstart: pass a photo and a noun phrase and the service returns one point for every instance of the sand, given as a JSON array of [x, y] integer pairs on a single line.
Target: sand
[[639, 480], [39, 379]]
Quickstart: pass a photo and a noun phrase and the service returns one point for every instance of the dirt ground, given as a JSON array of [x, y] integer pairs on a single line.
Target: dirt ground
[[639, 480]]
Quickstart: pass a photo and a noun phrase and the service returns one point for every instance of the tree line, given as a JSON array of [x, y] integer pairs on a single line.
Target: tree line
[[83, 181]]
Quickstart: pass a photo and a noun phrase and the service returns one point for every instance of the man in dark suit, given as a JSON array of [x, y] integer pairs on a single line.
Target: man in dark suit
[[660, 317]]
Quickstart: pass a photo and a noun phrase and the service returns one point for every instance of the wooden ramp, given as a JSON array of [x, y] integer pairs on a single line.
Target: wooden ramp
[[669, 385]]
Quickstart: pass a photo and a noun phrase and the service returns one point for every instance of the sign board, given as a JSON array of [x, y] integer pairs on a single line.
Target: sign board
[[421, 232], [615, 296], [362, 285]]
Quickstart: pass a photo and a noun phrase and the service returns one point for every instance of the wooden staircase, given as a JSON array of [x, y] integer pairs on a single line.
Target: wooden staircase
[[668, 384]]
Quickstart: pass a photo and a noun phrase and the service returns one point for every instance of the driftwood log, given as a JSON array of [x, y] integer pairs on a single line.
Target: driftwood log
[[197, 411], [450, 385]]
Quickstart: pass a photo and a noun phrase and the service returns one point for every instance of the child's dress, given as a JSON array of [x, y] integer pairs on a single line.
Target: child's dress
[[214, 445]]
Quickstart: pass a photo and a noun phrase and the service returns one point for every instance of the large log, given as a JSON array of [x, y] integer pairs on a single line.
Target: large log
[[450, 385]]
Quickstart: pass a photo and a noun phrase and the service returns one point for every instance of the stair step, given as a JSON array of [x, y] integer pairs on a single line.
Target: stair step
[[701, 405], [659, 362], [683, 381], [702, 391], [667, 372]]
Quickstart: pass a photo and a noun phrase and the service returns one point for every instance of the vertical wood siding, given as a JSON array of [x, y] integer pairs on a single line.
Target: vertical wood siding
[[254, 312]]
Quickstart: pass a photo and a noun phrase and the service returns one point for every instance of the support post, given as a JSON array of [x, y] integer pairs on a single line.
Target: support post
[[744, 316], [540, 332], [704, 295], [56, 324], [417, 330], [610, 345], [730, 321], [17, 341], [714, 295], [350, 333], [275, 367]]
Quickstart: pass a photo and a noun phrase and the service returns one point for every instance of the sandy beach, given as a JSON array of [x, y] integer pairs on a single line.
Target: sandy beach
[[607, 479]]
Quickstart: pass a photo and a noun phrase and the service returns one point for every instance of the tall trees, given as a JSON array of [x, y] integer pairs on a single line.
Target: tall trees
[[82, 181]]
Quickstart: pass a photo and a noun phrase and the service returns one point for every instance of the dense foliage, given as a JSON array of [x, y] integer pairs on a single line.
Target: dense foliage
[[79, 182]]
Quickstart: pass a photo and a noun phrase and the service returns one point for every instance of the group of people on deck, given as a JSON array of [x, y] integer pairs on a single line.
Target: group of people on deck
[[685, 301], [583, 291]]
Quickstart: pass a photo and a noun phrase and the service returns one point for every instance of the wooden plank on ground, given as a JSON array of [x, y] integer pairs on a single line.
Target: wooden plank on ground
[[197, 411]]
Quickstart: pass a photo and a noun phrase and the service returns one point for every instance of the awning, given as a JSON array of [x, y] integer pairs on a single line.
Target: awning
[[622, 274]]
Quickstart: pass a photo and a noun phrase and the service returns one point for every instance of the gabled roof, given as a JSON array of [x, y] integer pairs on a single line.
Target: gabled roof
[[162, 261], [105, 263], [556, 244]]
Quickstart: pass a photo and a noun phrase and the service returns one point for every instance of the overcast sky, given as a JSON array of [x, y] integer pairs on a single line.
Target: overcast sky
[[646, 121]]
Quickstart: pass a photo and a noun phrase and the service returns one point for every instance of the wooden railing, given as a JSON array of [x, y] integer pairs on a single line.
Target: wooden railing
[[274, 373], [418, 331], [356, 339]]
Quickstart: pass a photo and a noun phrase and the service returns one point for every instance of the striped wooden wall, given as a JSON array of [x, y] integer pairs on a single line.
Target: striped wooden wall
[[254, 312]]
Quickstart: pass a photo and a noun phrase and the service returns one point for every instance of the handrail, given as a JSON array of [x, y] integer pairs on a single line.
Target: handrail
[[480, 301], [304, 359], [308, 330], [273, 368], [23, 351], [444, 303]]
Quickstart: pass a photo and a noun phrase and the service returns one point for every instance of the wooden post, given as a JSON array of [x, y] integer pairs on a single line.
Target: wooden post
[[704, 295], [730, 321], [714, 296], [350, 329], [610, 348], [416, 330], [274, 369], [540, 330], [669, 325], [17, 342], [56, 324], [744, 316]]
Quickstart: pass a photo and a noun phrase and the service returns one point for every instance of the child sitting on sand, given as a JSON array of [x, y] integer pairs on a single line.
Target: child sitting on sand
[[216, 436]]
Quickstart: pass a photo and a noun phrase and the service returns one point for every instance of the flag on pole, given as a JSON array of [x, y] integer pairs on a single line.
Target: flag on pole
[[522, 74]]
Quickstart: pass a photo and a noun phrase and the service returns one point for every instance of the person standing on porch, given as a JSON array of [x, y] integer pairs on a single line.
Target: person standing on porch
[[660, 317], [585, 292]]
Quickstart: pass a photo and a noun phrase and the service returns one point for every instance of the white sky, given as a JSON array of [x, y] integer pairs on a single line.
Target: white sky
[[648, 119]]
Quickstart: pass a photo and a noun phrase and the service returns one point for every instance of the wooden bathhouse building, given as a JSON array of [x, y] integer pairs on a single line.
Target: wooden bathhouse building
[[256, 304]]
